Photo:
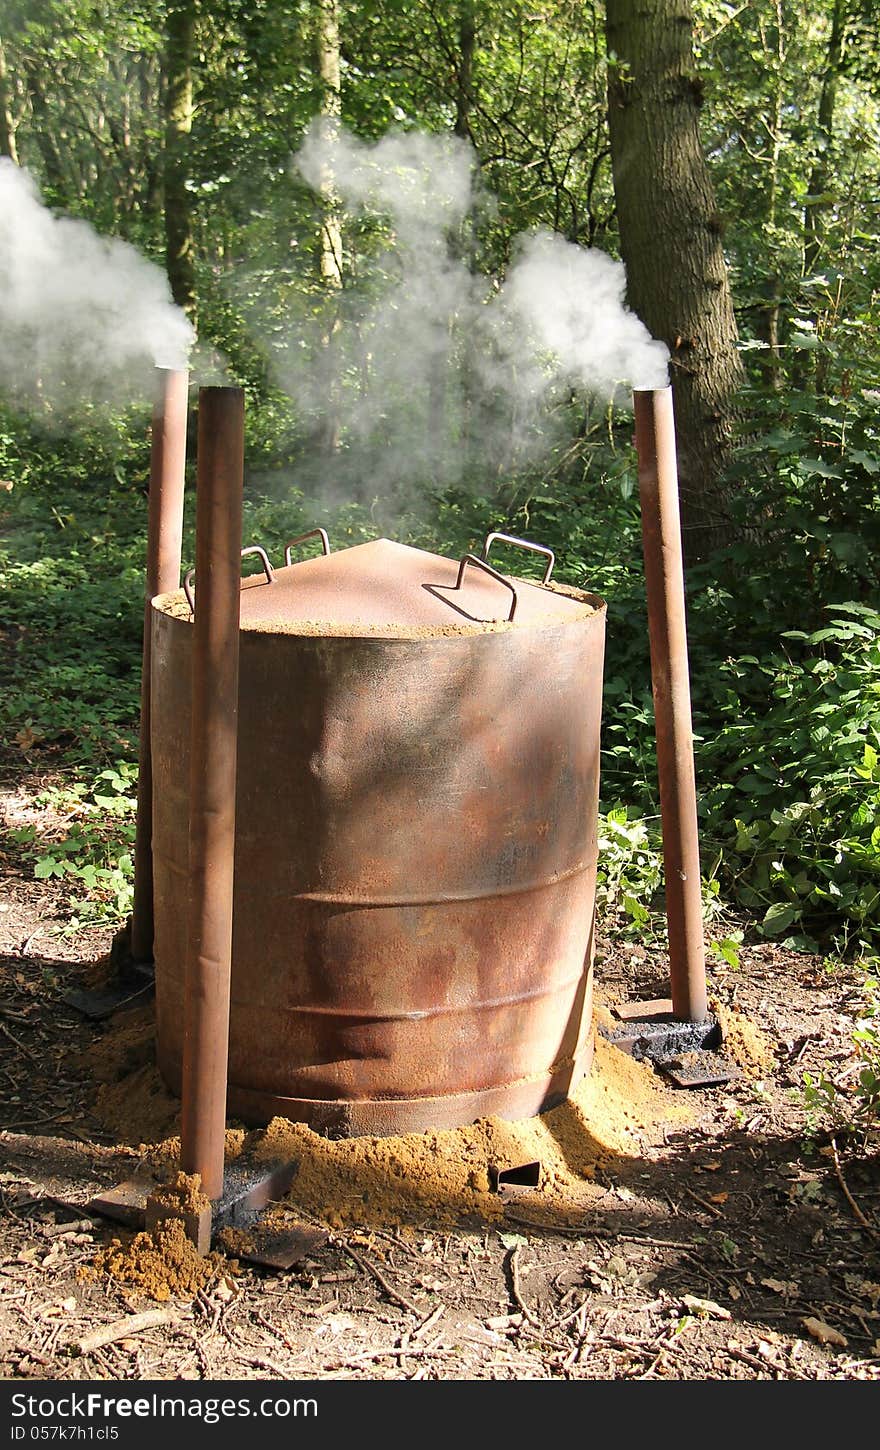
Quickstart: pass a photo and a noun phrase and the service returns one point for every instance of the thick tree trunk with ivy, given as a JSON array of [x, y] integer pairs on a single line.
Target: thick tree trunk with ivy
[[179, 248], [7, 124], [671, 240]]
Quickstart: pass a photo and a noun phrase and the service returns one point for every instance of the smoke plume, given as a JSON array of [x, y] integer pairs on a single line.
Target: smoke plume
[[430, 369], [83, 318]]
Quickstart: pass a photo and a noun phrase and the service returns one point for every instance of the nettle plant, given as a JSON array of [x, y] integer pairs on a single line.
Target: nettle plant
[[850, 1101], [797, 771], [93, 856], [629, 882]]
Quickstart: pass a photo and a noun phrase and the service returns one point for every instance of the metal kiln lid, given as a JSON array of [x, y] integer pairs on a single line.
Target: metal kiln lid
[[383, 586]]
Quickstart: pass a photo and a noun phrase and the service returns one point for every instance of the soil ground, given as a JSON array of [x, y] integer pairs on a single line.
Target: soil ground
[[677, 1234]]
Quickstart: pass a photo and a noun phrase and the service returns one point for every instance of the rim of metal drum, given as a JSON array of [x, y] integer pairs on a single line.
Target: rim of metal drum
[[382, 588], [386, 1117]]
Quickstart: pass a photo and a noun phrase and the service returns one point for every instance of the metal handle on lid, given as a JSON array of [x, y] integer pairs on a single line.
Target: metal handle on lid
[[251, 549], [522, 544], [312, 534], [487, 568], [255, 549]]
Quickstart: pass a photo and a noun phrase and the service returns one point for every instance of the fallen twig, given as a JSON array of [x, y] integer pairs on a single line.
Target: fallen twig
[[413, 1352], [260, 1362], [23, 949], [517, 1293], [584, 1336], [571, 1314], [865, 1222], [390, 1290], [123, 1329], [428, 1323], [655, 1363], [17, 1040], [78, 1226], [704, 1203]]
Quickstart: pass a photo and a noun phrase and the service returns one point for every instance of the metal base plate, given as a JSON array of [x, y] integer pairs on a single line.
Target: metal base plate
[[658, 1036], [281, 1248], [125, 990], [694, 1071], [251, 1182]]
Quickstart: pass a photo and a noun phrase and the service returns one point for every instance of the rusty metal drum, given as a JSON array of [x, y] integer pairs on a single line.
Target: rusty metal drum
[[416, 824]]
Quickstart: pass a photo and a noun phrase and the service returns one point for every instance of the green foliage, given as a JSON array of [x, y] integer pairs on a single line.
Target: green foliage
[[92, 857], [849, 1101], [784, 634], [629, 898], [794, 771], [629, 874], [782, 181]]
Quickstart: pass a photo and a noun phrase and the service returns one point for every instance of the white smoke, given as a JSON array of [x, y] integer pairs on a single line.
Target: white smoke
[[424, 183], [431, 369], [570, 299], [83, 318]]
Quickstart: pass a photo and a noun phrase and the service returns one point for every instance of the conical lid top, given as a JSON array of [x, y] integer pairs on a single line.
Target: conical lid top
[[391, 589]]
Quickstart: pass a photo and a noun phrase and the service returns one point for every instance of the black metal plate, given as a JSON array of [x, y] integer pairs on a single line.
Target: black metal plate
[[696, 1072], [281, 1248], [125, 991]]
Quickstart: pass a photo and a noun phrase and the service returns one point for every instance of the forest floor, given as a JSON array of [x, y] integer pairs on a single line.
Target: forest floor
[[677, 1234]]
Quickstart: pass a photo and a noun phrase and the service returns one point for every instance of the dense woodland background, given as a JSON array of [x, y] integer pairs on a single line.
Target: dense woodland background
[[728, 152]]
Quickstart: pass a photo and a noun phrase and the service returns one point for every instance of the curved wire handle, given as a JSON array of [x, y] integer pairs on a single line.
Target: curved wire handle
[[251, 549], [522, 544], [487, 568], [312, 534]]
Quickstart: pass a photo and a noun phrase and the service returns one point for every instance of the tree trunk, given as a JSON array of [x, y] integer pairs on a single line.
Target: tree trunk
[[331, 111], [670, 237], [7, 125], [438, 399], [819, 198], [56, 179], [467, 40], [179, 28], [770, 318], [331, 225]]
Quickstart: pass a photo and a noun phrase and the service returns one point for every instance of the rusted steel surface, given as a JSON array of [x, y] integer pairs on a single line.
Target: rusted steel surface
[[415, 843], [164, 534], [205, 902], [664, 577]]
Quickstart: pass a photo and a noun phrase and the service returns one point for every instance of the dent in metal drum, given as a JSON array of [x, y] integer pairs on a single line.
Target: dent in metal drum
[[415, 871]]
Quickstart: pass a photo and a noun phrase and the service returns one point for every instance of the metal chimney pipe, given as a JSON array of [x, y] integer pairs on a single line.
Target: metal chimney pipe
[[164, 538], [214, 735], [664, 577]]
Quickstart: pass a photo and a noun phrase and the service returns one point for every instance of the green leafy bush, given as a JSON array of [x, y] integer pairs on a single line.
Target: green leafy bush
[[850, 1100], [93, 855], [794, 771]]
